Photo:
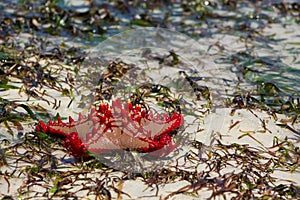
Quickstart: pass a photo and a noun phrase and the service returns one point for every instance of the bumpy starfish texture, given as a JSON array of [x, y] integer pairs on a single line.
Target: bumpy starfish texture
[[120, 126]]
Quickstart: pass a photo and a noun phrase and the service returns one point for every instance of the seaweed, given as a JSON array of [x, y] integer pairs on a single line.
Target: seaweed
[[32, 67]]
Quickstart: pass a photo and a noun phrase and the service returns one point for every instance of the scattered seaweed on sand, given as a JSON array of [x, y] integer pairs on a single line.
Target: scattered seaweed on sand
[[39, 167]]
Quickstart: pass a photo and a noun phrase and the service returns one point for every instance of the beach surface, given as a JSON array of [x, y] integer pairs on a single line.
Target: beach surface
[[236, 85]]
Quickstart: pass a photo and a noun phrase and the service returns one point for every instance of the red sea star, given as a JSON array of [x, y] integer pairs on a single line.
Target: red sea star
[[121, 126]]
